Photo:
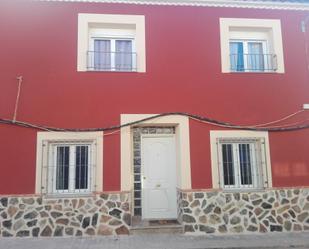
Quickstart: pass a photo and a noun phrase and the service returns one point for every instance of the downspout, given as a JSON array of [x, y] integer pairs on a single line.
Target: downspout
[[304, 31]]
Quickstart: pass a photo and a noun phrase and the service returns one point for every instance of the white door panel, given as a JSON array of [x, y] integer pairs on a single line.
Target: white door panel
[[159, 197]]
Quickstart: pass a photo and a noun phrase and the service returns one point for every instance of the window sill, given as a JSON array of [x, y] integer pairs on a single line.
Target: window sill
[[238, 190], [248, 72], [68, 195], [109, 71]]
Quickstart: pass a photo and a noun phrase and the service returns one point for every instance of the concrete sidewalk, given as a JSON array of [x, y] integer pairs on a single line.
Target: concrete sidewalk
[[162, 241]]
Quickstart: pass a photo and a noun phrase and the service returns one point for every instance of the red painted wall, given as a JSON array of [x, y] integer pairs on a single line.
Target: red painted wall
[[39, 41]]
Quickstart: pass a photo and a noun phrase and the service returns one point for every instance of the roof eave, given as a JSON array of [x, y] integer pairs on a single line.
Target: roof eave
[[206, 3]]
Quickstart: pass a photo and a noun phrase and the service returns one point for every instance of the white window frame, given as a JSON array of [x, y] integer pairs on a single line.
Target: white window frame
[[255, 161], [254, 29], [45, 174], [264, 163], [113, 39], [52, 171], [245, 43], [113, 24]]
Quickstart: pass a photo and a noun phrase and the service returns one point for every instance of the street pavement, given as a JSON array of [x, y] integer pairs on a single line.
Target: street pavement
[[164, 241]]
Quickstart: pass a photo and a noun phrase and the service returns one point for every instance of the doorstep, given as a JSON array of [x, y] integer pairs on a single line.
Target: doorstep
[[144, 226]]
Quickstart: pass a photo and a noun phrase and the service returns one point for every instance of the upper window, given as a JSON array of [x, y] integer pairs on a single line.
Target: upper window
[[240, 159], [251, 45], [69, 163], [112, 49], [112, 54], [111, 43], [251, 56]]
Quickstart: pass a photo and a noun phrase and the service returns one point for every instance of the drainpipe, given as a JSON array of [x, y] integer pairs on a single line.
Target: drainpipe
[[304, 30]]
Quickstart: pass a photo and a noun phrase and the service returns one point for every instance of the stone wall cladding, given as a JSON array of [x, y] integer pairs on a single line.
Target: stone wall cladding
[[200, 212], [33, 216], [180, 206], [268, 211]]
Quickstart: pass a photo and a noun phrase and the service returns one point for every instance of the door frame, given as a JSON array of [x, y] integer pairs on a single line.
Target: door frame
[[181, 123], [142, 169]]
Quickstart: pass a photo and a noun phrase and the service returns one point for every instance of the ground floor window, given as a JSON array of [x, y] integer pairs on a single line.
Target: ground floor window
[[240, 159], [70, 167], [240, 163], [69, 162]]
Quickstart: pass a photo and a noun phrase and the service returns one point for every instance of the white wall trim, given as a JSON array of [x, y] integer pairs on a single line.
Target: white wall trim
[[275, 38], [214, 135], [182, 148], [206, 3], [85, 20], [42, 160]]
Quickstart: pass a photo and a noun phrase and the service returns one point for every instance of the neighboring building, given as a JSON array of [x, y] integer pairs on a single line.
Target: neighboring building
[[88, 64]]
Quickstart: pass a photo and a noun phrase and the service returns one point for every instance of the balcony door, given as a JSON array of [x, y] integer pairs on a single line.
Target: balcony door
[[249, 56]]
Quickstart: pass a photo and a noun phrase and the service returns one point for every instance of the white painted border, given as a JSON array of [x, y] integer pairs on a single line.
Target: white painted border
[[182, 148], [41, 156], [84, 19], [206, 3], [214, 135], [273, 24]]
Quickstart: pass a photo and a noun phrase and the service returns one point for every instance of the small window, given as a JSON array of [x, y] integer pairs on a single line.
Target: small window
[[240, 163], [251, 56], [240, 160], [69, 163], [70, 167], [112, 54]]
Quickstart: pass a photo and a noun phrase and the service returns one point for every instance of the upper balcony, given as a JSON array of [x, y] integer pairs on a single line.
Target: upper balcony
[[111, 61], [253, 62]]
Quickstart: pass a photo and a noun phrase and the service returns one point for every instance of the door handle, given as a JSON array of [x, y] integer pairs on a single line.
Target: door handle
[[144, 177], [158, 185]]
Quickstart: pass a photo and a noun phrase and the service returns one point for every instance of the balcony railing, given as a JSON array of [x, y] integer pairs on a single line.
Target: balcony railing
[[111, 61], [253, 62]]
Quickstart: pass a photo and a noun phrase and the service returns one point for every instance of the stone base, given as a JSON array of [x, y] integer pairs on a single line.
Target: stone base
[[282, 210], [32, 216]]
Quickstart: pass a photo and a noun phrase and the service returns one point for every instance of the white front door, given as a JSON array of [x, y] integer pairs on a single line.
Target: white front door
[[159, 196]]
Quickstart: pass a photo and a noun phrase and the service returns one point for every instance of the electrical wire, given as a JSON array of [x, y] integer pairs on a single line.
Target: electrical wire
[[291, 124], [20, 80], [111, 133], [279, 120], [287, 127]]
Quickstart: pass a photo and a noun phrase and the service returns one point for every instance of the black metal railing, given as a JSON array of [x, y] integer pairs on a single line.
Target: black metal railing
[[253, 62], [111, 61]]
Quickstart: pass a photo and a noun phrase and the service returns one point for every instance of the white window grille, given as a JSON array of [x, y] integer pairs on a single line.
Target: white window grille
[[69, 163], [240, 163], [70, 167]]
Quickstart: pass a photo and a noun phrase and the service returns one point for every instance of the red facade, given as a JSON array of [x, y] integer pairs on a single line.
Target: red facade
[[183, 74]]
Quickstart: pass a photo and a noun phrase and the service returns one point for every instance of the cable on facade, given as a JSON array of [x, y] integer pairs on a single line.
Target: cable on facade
[[279, 120], [203, 119], [20, 80]]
